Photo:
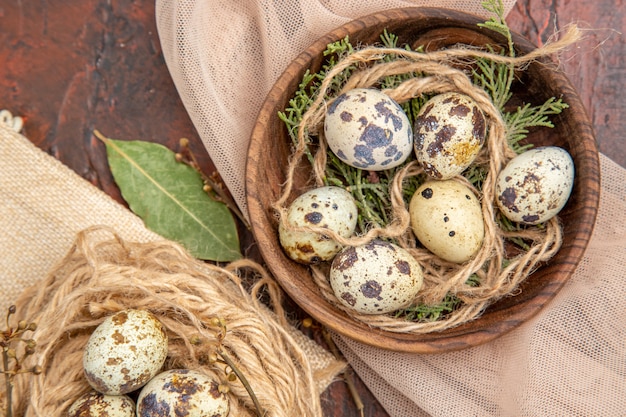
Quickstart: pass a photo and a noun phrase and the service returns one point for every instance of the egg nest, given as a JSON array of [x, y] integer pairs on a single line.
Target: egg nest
[[451, 293], [204, 309]]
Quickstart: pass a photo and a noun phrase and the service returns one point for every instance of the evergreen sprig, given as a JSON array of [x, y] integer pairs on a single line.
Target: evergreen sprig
[[370, 190], [527, 116], [499, 77], [430, 313]]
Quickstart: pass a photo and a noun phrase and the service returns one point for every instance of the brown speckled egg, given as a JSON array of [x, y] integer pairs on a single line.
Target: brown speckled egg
[[449, 130], [367, 129], [535, 185], [96, 404], [124, 352], [376, 278], [182, 392], [330, 207], [447, 219]]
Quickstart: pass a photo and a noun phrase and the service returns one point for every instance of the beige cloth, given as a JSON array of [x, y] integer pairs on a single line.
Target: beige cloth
[[224, 56], [570, 360], [44, 204]]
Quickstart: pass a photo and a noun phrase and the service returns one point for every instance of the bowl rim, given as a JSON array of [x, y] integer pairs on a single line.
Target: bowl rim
[[467, 334]]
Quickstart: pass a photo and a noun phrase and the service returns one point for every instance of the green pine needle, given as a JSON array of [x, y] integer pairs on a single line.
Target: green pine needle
[[525, 117]]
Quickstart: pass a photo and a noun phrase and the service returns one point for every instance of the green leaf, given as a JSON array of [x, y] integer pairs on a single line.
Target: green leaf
[[168, 195]]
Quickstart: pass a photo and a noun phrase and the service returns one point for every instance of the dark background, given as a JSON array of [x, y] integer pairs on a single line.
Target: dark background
[[71, 67]]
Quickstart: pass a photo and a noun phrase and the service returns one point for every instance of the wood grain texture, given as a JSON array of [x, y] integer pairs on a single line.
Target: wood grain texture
[[269, 153], [69, 67], [596, 66]]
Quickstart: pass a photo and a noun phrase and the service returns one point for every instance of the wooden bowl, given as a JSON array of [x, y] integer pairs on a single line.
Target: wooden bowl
[[270, 147]]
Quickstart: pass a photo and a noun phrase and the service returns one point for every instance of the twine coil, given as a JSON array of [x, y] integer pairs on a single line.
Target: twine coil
[[441, 71], [103, 274]]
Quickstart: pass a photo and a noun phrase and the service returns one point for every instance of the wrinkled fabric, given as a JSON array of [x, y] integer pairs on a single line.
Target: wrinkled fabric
[[224, 56]]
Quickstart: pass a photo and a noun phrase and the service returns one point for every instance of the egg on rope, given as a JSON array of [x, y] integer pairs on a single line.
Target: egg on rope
[[446, 217], [94, 403], [368, 130], [450, 131], [124, 352], [182, 392], [375, 278], [329, 207], [535, 185]]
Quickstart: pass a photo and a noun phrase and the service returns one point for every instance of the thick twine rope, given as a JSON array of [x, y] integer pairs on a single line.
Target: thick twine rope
[[103, 274], [441, 74]]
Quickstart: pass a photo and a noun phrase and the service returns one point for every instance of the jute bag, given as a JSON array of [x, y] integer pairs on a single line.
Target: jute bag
[[570, 360], [70, 256]]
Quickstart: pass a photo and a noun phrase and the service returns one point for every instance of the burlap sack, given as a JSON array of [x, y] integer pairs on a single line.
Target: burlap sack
[[224, 56]]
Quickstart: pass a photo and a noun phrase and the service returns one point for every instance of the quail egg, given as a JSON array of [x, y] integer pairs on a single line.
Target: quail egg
[[330, 207], [450, 130], [367, 129], [376, 278], [446, 217], [96, 404], [182, 392], [124, 352], [535, 185]]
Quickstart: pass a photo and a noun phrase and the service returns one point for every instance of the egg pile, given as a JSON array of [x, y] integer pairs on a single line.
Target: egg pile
[[368, 130], [124, 357]]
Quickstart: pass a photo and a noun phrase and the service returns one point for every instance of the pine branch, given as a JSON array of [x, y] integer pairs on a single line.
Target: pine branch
[[525, 117]]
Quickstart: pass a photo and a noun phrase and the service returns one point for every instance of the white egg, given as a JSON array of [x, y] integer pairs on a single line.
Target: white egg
[[367, 129], [96, 404], [446, 217], [450, 130], [182, 392], [329, 207], [535, 185], [376, 278], [124, 352]]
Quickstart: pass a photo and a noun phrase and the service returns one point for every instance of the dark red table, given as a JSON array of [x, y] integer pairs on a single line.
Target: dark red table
[[71, 67]]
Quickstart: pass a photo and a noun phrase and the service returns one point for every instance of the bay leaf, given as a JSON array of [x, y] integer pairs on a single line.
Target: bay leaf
[[168, 196]]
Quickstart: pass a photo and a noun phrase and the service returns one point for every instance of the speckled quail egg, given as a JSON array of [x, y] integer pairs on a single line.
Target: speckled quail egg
[[450, 130], [446, 217], [330, 207], [367, 129], [182, 392], [96, 404], [535, 185], [124, 352], [376, 278]]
